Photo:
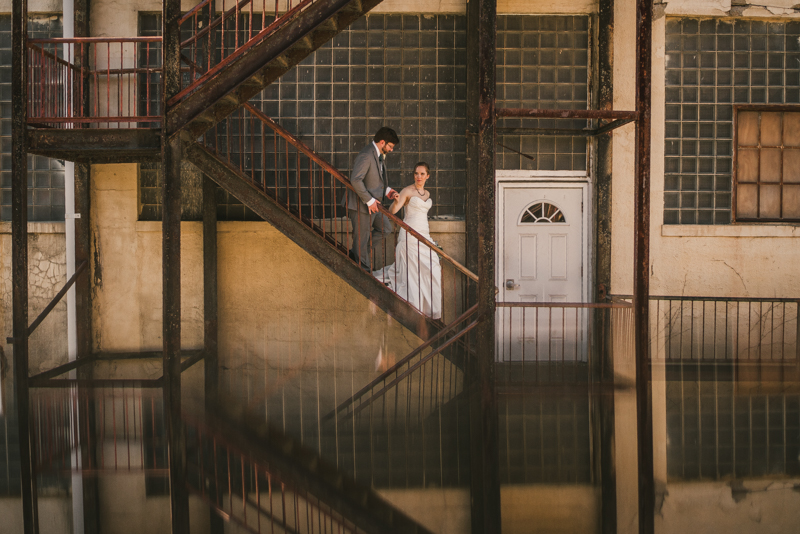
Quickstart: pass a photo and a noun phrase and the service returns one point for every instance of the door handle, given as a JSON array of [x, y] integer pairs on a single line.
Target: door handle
[[511, 285]]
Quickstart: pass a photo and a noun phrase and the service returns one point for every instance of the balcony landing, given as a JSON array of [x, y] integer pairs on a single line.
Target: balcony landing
[[94, 145]]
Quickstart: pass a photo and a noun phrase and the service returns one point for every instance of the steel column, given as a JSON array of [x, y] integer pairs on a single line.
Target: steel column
[[604, 95], [19, 253], [210, 313], [641, 268], [171, 275], [472, 114], [484, 463]]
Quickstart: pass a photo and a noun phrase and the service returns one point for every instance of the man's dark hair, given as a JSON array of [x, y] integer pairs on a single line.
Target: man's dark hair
[[386, 134]]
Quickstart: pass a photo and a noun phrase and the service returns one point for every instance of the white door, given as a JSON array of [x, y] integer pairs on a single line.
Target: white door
[[542, 259]]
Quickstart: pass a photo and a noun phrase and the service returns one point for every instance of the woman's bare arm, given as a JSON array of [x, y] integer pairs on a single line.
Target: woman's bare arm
[[400, 201]]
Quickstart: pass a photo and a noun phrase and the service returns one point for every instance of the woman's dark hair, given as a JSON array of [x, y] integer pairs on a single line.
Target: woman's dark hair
[[423, 164]]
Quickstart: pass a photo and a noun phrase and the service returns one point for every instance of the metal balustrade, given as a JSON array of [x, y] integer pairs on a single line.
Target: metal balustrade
[[97, 81], [228, 34]]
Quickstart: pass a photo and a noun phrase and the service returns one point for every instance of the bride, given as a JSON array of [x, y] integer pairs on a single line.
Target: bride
[[416, 274]]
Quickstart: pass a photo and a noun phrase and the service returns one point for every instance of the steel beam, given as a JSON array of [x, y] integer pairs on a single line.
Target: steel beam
[[641, 267], [566, 113], [19, 254], [96, 145], [171, 275], [484, 452]]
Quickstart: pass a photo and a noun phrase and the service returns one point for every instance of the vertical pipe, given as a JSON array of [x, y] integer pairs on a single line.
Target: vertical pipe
[[171, 273], [19, 251], [641, 269], [485, 479]]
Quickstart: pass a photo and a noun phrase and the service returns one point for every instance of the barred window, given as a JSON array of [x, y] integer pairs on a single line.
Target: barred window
[[767, 163]]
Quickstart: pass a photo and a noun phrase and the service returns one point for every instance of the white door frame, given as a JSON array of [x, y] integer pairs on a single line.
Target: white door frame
[[545, 179]]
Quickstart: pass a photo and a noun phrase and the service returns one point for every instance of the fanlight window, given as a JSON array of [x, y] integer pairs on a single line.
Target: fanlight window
[[542, 212]]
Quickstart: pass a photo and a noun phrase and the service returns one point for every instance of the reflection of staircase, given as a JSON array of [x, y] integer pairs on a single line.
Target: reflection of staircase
[[261, 480]]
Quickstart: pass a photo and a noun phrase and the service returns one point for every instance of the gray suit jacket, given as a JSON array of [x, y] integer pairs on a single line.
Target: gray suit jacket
[[366, 180]]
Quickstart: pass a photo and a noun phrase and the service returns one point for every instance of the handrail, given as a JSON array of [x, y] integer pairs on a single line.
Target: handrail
[[340, 177], [713, 299], [600, 305], [55, 300], [397, 365], [76, 40]]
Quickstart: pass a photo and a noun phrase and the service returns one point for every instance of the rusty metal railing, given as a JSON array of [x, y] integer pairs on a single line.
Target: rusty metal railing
[[718, 330], [310, 189], [99, 430], [245, 488], [217, 39], [555, 342], [97, 81]]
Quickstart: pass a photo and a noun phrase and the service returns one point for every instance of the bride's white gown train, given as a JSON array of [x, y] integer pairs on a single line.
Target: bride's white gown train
[[416, 274]]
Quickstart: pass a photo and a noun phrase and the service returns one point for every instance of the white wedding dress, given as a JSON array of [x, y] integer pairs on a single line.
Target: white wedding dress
[[416, 274]]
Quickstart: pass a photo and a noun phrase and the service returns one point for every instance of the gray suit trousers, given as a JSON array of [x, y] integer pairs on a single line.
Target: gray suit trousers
[[365, 226]]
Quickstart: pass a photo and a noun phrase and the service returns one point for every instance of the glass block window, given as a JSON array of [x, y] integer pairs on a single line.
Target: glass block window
[[767, 164], [711, 65], [45, 175], [407, 72], [542, 63]]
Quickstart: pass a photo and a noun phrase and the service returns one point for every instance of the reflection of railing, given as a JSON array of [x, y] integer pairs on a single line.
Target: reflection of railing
[[98, 430], [265, 483], [415, 374], [227, 35], [558, 342], [310, 189], [94, 80], [718, 330]]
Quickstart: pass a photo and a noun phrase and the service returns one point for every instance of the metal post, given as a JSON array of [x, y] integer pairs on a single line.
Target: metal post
[[641, 280], [83, 286], [472, 113], [604, 95], [19, 252], [210, 314], [484, 463], [171, 274]]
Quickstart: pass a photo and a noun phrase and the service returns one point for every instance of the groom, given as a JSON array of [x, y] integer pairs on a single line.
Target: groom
[[371, 187]]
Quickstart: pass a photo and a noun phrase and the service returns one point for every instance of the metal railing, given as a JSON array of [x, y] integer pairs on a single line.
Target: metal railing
[[98, 81], [279, 165], [247, 490], [719, 330], [217, 39], [557, 342], [109, 429]]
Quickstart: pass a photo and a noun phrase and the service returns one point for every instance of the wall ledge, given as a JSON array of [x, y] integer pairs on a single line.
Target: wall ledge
[[730, 230], [36, 227]]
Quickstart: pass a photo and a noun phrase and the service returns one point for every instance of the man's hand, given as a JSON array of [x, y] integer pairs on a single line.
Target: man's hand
[[392, 194], [373, 208]]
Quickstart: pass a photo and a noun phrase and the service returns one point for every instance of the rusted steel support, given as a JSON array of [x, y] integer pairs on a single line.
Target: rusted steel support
[[171, 276], [484, 463], [641, 268], [210, 316], [604, 94], [210, 302], [19, 254], [472, 113], [566, 113]]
